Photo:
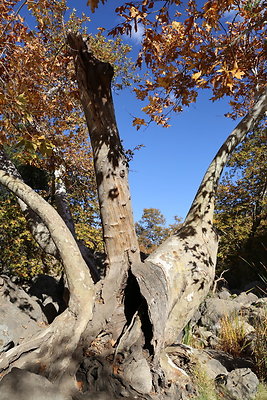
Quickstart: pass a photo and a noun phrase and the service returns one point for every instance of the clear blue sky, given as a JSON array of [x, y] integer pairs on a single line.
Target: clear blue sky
[[167, 171]]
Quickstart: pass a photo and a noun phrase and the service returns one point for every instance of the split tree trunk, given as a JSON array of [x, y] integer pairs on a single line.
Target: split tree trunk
[[140, 308]]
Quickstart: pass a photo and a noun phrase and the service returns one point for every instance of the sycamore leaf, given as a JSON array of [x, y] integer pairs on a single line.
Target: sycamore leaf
[[176, 25], [94, 4], [138, 122], [238, 73], [196, 75]]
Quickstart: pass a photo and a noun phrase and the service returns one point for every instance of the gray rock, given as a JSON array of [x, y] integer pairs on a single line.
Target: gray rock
[[211, 366], [20, 316], [224, 294], [23, 385], [49, 293], [216, 309], [246, 298], [138, 374], [239, 384], [17, 296]]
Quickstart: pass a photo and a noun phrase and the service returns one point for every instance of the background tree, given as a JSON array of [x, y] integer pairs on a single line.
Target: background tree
[[151, 229], [241, 212]]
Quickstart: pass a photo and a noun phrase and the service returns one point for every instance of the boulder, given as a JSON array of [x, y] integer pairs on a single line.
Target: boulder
[[49, 294], [21, 317], [239, 384], [246, 298], [215, 310], [24, 385]]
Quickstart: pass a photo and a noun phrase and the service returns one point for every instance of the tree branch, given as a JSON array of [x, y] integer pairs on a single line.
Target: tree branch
[[79, 281]]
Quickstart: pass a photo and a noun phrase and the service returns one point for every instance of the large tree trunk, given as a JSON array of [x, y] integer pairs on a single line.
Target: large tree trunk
[[120, 338]]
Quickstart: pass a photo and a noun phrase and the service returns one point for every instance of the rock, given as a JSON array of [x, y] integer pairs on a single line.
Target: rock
[[49, 293], [228, 361], [17, 296], [246, 298], [138, 374], [211, 366], [20, 316], [23, 385], [216, 309], [224, 294], [239, 384]]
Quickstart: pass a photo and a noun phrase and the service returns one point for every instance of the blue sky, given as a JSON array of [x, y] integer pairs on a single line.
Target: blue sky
[[167, 171]]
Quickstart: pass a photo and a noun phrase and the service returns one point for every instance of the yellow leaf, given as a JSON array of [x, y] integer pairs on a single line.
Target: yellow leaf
[[176, 25], [138, 122], [196, 75], [238, 74]]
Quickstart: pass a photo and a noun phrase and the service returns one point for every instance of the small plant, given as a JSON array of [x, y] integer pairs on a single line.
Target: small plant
[[189, 339], [262, 392], [205, 386], [232, 338], [259, 345]]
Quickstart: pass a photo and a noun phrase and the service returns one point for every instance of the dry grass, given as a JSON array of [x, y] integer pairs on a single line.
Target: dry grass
[[259, 346], [232, 337]]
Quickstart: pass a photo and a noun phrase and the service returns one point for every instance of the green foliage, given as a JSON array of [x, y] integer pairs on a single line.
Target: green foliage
[[262, 392], [151, 229], [241, 211], [19, 255]]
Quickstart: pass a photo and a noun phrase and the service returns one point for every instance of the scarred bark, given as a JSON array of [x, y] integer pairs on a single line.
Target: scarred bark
[[140, 308], [111, 170], [185, 263]]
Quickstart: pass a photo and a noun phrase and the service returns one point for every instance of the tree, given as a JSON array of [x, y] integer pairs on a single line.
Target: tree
[[41, 116], [123, 325], [151, 230], [241, 211], [141, 297]]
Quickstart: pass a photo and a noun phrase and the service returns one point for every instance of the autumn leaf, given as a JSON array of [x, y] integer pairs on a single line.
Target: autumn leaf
[[196, 75], [138, 122]]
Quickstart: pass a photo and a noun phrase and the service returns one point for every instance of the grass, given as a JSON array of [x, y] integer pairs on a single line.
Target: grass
[[262, 392], [205, 386], [259, 346], [190, 340], [232, 338]]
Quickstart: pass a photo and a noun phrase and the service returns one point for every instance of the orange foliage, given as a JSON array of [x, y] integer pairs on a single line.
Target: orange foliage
[[221, 46]]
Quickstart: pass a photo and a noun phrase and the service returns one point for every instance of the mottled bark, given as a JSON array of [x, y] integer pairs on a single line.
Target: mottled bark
[[185, 263], [111, 170], [140, 308]]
